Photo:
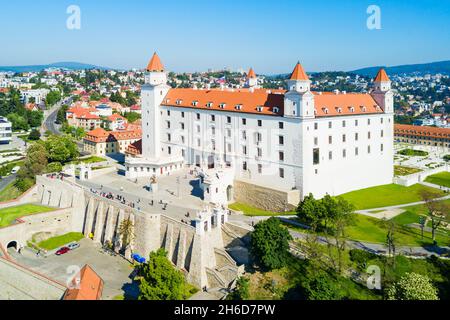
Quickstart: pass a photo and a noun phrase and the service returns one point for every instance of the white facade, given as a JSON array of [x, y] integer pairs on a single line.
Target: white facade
[[294, 150], [5, 131]]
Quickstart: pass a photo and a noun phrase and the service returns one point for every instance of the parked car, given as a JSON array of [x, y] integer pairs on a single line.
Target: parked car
[[62, 251], [15, 170], [73, 245]]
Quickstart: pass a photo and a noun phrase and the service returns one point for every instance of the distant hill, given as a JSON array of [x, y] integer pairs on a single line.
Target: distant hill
[[424, 68], [65, 65]]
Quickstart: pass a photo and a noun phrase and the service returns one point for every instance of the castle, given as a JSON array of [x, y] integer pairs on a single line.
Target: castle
[[288, 142]]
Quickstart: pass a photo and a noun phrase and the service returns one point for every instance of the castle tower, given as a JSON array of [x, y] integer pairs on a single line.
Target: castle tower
[[152, 94], [382, 91], [299, 101], [252, 80]]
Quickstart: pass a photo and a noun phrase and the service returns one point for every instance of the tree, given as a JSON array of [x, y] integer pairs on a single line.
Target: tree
[[34, 135], [61, 115], [436, 211], [412, 286], [54, 167], [52, 98], [132, 116], [311, 212], [35, 118], [126, 232], [321, 286], [270, 243], [391, 240], [35, 164], [160, 280], [242, 290], [61, 148], [18, 122]]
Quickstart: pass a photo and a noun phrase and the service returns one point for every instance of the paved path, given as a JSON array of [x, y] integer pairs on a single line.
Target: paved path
[[432, 185], [4, 182]]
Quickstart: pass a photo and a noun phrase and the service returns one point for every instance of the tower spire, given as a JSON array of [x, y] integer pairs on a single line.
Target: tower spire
[[155, 64]]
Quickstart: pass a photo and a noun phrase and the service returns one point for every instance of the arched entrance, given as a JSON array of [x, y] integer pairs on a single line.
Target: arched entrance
[[230, 196], [12, 245]]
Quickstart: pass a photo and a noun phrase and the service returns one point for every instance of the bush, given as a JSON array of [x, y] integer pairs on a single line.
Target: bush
[[412, 286], [361, 257], [54, 167], [322, 287], [34, 135], [24, 184], [447, 158], [412, 152], [242, 290]]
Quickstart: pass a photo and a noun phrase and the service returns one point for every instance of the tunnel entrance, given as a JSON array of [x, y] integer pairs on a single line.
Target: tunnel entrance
[[12, 245]]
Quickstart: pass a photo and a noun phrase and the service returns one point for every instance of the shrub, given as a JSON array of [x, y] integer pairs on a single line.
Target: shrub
[[412, 286], [361, 257], [54, 167], [447, 158], [24, 184], [412, 152], [34, 135], [242, 290], [322, 287]]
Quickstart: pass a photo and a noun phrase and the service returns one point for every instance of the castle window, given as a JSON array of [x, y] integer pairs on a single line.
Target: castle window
[[281, 156], [325, 110], [195, 103], [178, 102], [259, 123], [330, 155], [351, 109], [222, 105], [344, 153], [281, 140], [260, 168], [244, 165], [238, 106], [330, 139], [244, 121], [209, 104], [316, 156], [213, 118], [198, 116], [259, 108], [281, 173], [316, 126], [280, 125], [276, 109]]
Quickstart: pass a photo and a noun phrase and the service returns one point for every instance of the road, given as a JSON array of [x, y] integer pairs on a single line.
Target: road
[[7, 180]]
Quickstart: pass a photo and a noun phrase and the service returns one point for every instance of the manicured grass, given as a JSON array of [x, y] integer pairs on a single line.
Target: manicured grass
[[10, 192], [441, 178], [92, 159], [9, 215], [413, 152], [387, 195], [374, 230], [56, 242], [252, 211], [404, 171]]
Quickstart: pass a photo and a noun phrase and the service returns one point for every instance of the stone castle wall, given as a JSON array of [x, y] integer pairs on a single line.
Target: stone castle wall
[[264, 197]]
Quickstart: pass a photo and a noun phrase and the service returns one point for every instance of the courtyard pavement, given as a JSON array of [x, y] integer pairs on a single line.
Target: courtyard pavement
[[114, 270]]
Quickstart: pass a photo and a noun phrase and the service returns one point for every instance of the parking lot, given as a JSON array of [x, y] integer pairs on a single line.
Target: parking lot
[[114, 270]]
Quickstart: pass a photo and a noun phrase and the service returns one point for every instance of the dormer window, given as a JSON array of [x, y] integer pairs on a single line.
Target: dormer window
[[222, 105], [167, 100], [259, 108], [351, 109], [325, 110], [275, 110], [179, 101], [195, 103], [239, 107], [209, 104], [339, 110], [363, 108]]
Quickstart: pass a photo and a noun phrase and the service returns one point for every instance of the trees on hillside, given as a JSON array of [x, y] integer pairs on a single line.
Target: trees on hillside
[[270, 243], [161, 280], [437, 211], [61, 148]]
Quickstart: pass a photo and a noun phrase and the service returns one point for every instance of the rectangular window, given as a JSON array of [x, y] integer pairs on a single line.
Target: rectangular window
[[168, 113], [343, 123], [344, 138], [316, 141], [182, 125], [330, 155], [382, 147], [229, 147], [356, 151], [259, 152], [281, 125], [368, 135], [382, 120], [198, 116], [316, 126], [344, 153], [356, 136], [330, 125], [259, 168], [281, 173], [213, 144], [330, 139], [228, 119], [281, 155], [244, 121], [244, 150], [244, 135], [244, 165], [281, 140], [368, 149], [169, 137], [213, 130], [382, 133], [259, 123], [368, 122], [356, 122], [198, 129], [316, 156], [182, 139], [213, 118], [199, 143], [229, 133], [182, 114]]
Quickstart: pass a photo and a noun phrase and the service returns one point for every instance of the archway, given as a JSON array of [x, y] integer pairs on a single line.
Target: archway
[[12, 245], [230, 196]]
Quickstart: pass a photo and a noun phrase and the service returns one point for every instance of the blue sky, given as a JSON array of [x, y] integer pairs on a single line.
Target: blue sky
[[193, 35]]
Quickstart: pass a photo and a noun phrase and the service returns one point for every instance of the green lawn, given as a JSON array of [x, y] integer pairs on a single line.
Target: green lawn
[[252, 211], [9, 215], [441, 178], [387, 195], [10, 192], [92, 159], [56, 242], [404, 171]]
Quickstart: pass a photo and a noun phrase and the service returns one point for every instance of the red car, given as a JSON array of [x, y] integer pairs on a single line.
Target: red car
[[62, 251]]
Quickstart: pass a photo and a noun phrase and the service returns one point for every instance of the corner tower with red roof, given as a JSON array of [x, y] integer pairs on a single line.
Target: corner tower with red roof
[[382, 91], [298, 100]]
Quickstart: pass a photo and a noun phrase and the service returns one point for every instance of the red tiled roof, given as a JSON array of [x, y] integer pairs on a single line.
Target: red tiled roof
[[101, 135], [135, 148], [299, 73], [155, 64], [422, 131], [381, 76], [115, 117], [251, 74], [266, 102], [90, 286]]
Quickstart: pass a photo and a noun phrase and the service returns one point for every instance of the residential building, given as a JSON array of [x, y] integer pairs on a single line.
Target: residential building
[[101, 142], [5, 131], [422, 135]]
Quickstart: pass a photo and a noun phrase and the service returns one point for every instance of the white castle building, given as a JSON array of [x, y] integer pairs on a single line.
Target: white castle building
[[294, 141]]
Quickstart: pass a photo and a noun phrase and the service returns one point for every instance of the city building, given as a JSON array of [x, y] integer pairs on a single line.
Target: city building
[[85, 118], [294, 141], [5, 131], [422, 135], [100, 142], [116, 122], [86, 285]]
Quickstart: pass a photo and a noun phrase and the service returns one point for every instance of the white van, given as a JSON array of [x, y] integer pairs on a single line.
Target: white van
[[15, 170]]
